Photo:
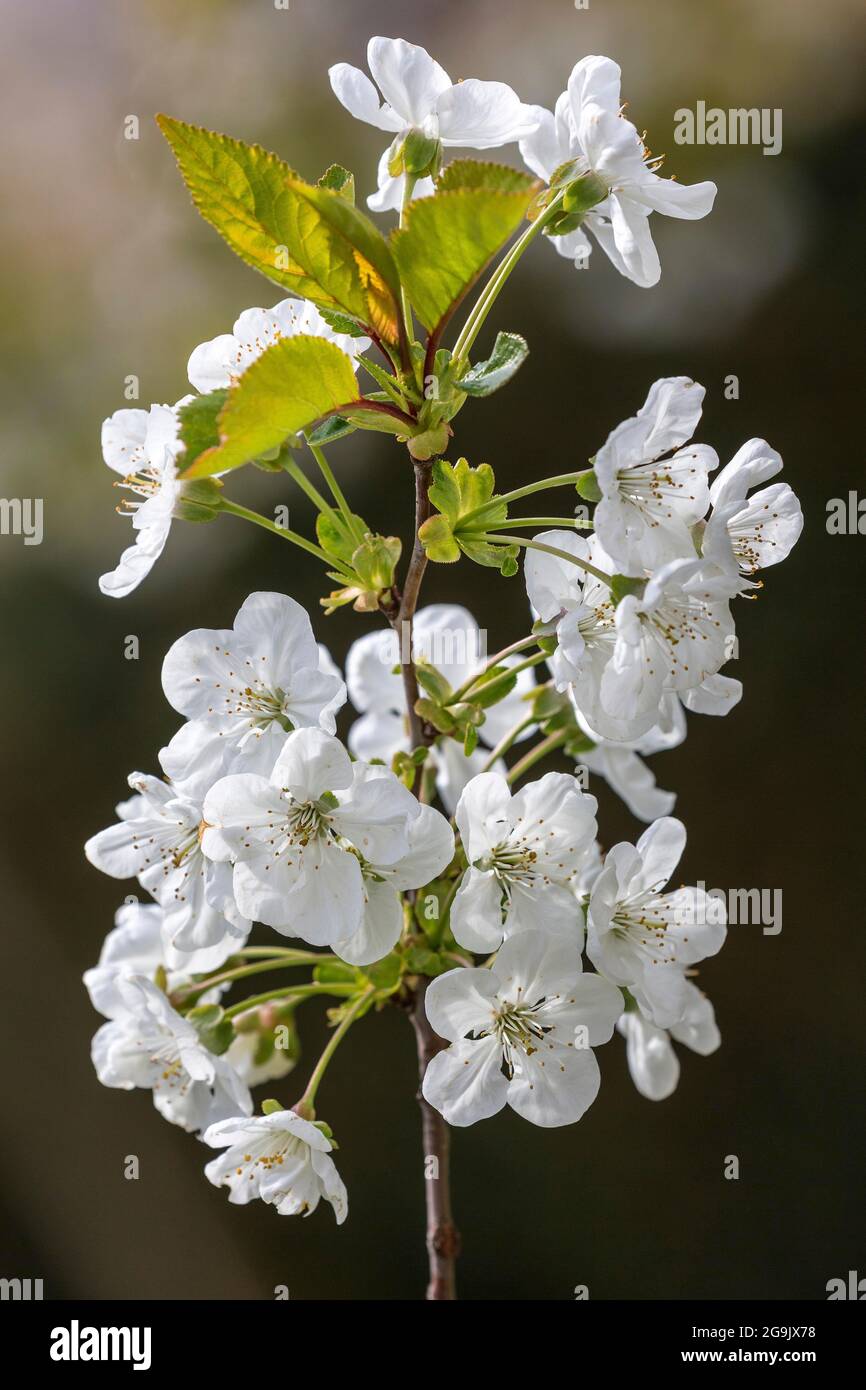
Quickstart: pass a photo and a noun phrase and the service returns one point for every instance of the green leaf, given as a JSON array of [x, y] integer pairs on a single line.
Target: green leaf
[[381, 420], [433, 713], [449, 238], [458, 489], [346, 254], [438, 541], [509, 353], [335, 427], [343, 323], [294, 384], [339, 180], [433, 682], [493, 686], [308, 239], [386, 380], [198, 423], [476, 173]]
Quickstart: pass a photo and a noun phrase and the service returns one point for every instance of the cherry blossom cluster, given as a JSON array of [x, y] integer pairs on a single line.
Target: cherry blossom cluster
[[444, 868]]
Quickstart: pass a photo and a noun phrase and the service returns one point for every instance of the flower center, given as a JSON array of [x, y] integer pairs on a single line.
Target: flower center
[[649, 488], [513, 861], [145, 483], [643, 921], [305, 821], [517, 1030]]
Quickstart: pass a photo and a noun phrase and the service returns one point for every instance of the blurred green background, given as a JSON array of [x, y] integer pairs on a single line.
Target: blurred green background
[[106, 272]]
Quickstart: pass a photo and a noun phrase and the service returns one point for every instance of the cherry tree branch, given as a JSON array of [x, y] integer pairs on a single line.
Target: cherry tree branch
[[402, 618], [443, 1238]]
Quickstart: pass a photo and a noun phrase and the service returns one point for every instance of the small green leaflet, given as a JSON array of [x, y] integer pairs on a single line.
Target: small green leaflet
[[509, 353]]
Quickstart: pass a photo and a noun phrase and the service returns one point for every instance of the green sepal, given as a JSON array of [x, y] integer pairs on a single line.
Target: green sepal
[[622, 584], [421, 155], [588, 488], [336, 537], [420, 960], [216, 1032], [331, 971], [434, 925], [385, 973], [430, 680], [199, 501], [432, 713]]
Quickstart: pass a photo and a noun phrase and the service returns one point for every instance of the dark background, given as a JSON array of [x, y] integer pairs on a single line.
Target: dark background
[[108, 271]]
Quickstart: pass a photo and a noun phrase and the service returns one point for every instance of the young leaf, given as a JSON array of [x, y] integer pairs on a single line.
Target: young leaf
[[345, 253], [509, 353], [456, 491], [294, 384], [308, 239], [335, 427], [475, 173], [438, 541], [449, 238], [198, 423], [242, 191], [339, 180]]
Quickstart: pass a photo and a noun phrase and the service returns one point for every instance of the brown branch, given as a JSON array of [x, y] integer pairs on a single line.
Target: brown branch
[[443, 1238], [421, 735]]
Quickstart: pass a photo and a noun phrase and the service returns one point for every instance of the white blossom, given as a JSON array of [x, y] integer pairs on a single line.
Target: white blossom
[[525, 852], [446, 637], [652, 1061], [418, 94], [520, 1033], [621, 763], [221, 361], [745, 533], [151, 1046], [158, 841], [279, 1158], [297, 839], [589, 129], [644, 938], [650, 502], [431, 849], [143, 446], [242, 689], [618, 661], [243, 1055]]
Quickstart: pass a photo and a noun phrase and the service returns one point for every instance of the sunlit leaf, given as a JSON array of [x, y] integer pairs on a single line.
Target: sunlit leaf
[[291, 386]]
